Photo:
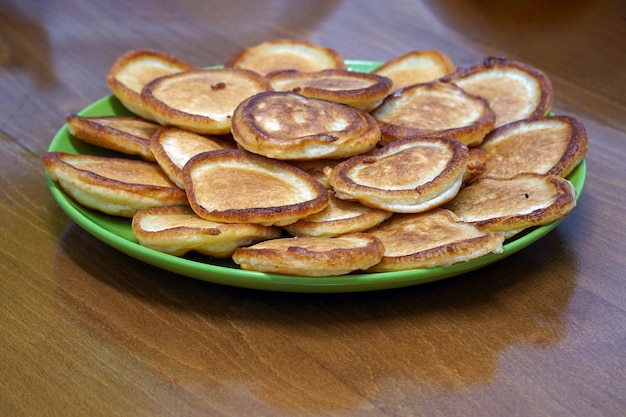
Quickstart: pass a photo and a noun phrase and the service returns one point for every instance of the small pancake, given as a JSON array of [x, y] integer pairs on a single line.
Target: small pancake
[[289, 126], [416, 67], [136, 68], [356, 89], [201, 101], [234, 186], [544, 145], [129, 135], [113, 186], [172, 147], [177, 230], [409, 175], [434, 110], [286, 54], [476, 159], [338, 218], [514, 90], [510, 205], [434, 238], [315, 167], [312, 256]]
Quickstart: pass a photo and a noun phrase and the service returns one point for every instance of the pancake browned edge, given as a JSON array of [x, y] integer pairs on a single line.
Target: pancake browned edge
[[201, 101], [286, 54], [289, 126], [416, 67], [409, 175], [172, 147], [552, 145], [514, 90], [338, 218], [431, 239], [475, 164], [177, 230], [312, 256], [129, 135], [356, 89], [136, 68], [234, 186], [510, 205], [434, 109], [113, 186], [316, 167]]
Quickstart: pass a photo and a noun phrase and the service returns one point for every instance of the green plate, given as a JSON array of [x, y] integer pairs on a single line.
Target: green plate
[[117, 233]]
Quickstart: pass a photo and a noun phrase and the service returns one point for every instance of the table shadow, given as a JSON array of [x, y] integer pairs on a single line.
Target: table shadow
[[445, 336], [15, 51]]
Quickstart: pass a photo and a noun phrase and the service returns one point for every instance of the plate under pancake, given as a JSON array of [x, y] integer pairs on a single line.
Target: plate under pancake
[[117, 233]]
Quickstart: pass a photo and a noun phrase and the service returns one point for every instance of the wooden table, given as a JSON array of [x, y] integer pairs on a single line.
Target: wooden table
[[87, 330]]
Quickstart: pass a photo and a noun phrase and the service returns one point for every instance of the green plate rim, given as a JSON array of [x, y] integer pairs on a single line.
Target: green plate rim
[[117, 233]]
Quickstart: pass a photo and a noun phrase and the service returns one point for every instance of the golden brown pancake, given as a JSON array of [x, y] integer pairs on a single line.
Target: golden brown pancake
[[136, 68], [510, 205], [475, 164], [338, 218], [544, 145], [234, 186], [289, 126], [172, 147], [113, 186], [434, 110], [177, 230], [409, 175], [316, 167], [416, 67], [356, 89], [201, 101], [312, 256], [513, 89], [286, 54], [129, 135], [434, 238]]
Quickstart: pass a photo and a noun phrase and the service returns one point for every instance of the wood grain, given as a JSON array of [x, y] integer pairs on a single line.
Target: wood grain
[[87, 330]]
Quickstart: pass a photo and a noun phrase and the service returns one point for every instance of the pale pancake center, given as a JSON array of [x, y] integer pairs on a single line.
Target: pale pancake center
[[139, 73], [234, 187], [510, 92], [409, 168], [146, 174]]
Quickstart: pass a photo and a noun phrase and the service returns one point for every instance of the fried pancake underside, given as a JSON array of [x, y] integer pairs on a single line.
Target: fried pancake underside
[[178, 230], [360, 90], [416, 67], [312, 256], [129, 135], [235, 186], [408, 175], [289, 126], [115, 186], [434, 109], [136, 68], [552, 145], [510, 205], [202, 101], [513, 89], [172, 147], [282, 54], [433, 238]]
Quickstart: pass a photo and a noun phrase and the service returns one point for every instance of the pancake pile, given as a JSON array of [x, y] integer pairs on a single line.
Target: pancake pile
[[286, 162]]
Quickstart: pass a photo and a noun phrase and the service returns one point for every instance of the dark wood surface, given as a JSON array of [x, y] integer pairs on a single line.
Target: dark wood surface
[[87, 330]]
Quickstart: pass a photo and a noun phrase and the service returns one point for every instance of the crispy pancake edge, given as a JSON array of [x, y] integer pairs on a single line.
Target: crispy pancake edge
[[471, 134], [273, 215]]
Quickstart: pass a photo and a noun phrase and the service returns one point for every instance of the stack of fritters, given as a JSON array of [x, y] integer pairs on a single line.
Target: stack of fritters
[[289, 163]]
